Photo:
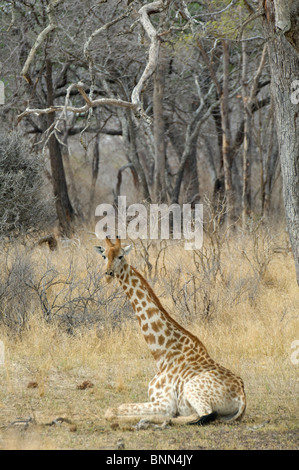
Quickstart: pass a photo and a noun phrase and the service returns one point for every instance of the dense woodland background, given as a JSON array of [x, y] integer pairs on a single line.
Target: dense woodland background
[[166, 101]]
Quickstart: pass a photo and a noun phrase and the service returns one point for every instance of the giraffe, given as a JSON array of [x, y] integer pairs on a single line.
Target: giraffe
[[189, 386]]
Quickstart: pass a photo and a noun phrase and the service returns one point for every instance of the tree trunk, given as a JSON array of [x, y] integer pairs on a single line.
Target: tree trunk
[[159, 133], [191, 183], [246, 190], [284, 62], [226, 134], [218, 183], [134, 158], [94, 174], [188, 174], [64, 209], [269, 163]]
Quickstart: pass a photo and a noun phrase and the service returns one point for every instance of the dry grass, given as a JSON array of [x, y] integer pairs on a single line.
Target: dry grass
[[246, 316]]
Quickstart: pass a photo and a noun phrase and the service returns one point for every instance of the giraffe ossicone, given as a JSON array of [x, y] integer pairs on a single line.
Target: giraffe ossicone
[[189, 387]]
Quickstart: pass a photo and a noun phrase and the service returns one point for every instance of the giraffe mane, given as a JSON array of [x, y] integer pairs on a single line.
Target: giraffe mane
[[167, 315]]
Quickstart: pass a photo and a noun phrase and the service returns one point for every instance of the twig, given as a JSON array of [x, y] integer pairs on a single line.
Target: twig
[[232, 3], [252, 17]]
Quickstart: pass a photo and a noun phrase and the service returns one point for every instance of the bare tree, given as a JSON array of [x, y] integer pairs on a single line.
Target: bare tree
[[165, 76], [64, 208], [281, 26], [249, 97]]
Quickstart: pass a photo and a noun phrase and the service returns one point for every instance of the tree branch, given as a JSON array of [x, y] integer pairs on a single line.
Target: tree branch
[[218, 12], [86, 48], [153, 54], [40, 38], [135, 104], [83, 109], [252, 17]]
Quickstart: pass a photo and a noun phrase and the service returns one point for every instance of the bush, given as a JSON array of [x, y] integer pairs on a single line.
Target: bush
[[24, 206], [62, 287]]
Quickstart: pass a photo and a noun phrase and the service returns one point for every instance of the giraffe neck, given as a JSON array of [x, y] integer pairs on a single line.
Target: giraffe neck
[[166, 339]]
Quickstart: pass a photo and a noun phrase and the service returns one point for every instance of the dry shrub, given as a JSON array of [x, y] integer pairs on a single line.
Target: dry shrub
[[231, 268], [25, 207], [65, 287]]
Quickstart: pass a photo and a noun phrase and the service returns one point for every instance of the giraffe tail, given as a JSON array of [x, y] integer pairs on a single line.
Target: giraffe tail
[[206, 419]]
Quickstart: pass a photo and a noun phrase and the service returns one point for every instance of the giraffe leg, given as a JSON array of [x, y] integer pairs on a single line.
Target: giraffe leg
[[197, 397], [155, 412]]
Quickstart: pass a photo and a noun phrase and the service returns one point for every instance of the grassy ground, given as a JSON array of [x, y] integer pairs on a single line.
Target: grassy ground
[[56, 385]]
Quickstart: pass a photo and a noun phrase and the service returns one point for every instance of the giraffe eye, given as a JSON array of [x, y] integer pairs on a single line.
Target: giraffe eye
[[104, 256], [120, 257]]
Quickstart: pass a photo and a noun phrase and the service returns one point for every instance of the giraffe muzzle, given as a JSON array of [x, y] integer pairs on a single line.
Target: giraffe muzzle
[[109, 275]]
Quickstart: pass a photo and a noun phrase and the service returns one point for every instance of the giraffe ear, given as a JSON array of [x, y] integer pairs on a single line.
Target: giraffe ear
[[100, 249], [127, 249]]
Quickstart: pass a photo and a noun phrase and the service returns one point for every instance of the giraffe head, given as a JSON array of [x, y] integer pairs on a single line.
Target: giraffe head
[[114, 255]]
